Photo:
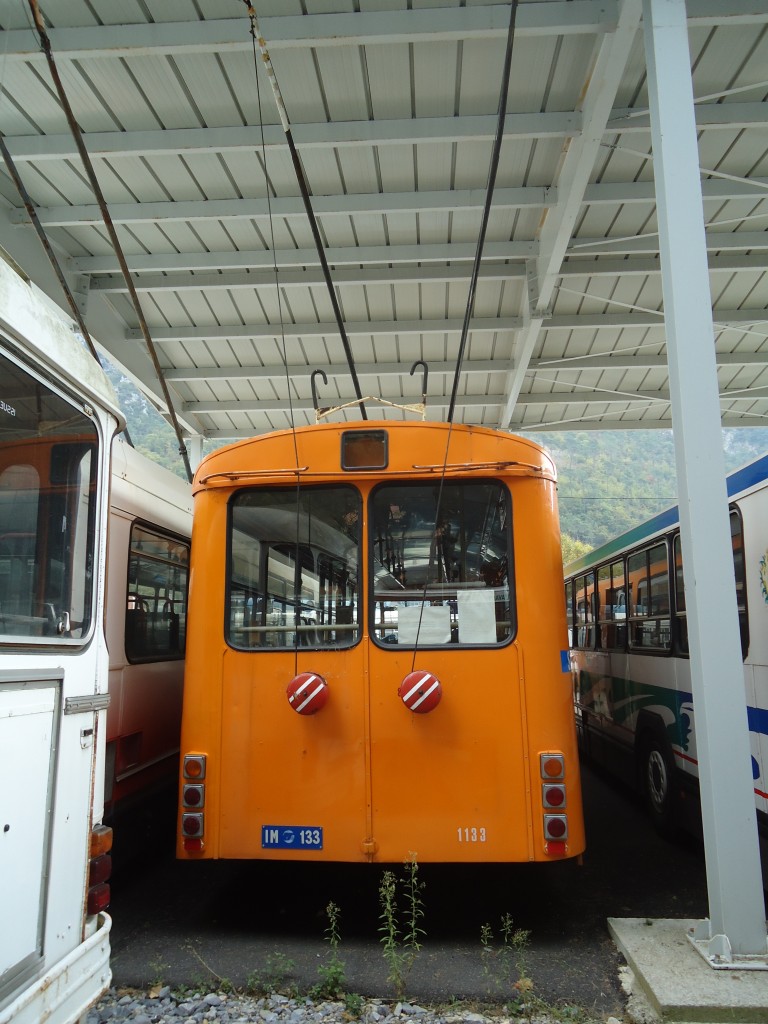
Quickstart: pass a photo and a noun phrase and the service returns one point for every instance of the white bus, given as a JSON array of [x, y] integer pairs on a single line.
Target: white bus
[[58, 416], [629, 638], [150, 525]]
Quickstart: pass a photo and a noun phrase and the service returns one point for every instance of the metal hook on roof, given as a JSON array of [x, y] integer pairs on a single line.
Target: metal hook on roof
[[314, 388], [420, 362]]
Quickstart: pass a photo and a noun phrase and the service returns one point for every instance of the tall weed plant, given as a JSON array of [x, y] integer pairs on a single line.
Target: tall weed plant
[[402, 911]]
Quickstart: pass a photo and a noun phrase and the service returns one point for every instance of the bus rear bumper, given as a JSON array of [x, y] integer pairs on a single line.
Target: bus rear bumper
[[70, 988]]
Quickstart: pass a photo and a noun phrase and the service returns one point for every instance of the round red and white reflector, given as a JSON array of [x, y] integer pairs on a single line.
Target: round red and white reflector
[[420, 692], [307, 693]]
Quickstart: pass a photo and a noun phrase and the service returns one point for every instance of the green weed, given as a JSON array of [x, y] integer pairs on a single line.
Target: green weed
[[333, 981], [402, 911], [504, 964]]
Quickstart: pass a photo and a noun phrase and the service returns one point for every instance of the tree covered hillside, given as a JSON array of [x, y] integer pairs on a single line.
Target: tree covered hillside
[[609, 480]]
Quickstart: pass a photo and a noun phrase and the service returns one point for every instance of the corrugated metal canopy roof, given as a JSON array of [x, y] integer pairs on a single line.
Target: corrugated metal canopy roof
[[393, 107]]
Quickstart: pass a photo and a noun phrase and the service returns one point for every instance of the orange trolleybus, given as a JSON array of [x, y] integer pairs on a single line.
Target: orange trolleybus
[[377, 651]]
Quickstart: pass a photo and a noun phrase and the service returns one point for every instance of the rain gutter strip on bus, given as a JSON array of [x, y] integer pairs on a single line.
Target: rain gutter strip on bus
[[54, 260], [225, 478], [45, 45], [305, 195]]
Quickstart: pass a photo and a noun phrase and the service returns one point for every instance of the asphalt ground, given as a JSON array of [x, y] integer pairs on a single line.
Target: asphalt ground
[[265, 923]]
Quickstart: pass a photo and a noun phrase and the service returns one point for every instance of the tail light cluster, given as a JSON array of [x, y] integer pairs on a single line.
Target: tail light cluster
[[553, 800], [193, 802], [99, 869]]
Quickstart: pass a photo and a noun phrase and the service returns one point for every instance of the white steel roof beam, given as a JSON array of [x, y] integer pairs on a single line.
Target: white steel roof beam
[[339, 134], [737, 318], [382, 203], [631, 419], [234, 280], [324, 206], [521, 249], [585, 397], [315, 30], [297, 370], [553, 17], [578, 161], [345, 134], [604, 361], [443, 252], [495, 325]]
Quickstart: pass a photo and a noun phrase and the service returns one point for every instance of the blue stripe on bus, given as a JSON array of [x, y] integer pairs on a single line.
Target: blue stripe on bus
[[758, 720]]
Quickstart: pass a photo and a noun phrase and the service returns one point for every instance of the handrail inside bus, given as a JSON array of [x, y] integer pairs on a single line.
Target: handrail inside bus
[[324, 627]]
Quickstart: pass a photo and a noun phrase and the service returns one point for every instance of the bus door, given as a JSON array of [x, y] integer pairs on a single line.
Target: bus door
[[294, 755], [445, 678]]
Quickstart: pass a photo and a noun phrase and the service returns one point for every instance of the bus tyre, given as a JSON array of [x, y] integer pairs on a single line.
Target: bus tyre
[[657, 769]]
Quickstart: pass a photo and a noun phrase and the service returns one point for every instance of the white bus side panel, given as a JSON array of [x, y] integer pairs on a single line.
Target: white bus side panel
[[27, 722], [754, 510]]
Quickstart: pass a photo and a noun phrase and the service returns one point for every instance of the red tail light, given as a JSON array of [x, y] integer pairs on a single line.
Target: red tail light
[[552, 766], [193, 796], [192, 824], [555, 826], [553, 795], [194, 766], [99, 869], [98, 898]]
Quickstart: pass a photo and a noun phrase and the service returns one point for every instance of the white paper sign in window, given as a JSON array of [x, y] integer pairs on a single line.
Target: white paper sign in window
[[477, 616], [435, 625]]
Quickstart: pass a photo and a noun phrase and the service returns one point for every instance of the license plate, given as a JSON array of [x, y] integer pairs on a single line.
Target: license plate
[[291, 837]]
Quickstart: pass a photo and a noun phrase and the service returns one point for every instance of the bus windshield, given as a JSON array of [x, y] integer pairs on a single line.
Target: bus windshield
[[294, 560], [441, 575], [48, 471]]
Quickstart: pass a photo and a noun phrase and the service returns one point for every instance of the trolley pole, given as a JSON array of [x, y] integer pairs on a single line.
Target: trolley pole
[[736, 926]]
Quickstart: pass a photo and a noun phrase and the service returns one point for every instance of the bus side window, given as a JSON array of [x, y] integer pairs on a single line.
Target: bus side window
[[650, 622]]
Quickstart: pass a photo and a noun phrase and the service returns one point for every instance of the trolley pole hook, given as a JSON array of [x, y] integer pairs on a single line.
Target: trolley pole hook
[[420, 362], [314, 389]]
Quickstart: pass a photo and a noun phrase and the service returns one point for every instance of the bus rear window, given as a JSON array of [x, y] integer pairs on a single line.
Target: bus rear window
[[294, 562], [441, 562]]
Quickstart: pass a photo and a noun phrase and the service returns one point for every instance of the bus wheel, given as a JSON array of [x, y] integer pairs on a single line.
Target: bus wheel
[[657, 768]]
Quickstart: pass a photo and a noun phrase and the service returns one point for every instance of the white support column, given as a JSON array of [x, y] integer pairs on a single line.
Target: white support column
[[736, 926], [195, 449]]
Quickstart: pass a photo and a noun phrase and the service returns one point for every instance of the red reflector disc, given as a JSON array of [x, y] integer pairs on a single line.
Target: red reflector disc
[[193, 845], [307, 693], [420, 692]]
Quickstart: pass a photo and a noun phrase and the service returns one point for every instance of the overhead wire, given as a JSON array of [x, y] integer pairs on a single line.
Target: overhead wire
[[305, 195], [490, 186], [45, 44], [289, 383], [29, 206]]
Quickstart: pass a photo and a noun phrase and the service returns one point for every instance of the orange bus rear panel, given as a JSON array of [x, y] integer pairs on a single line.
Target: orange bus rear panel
[[377, 651]]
